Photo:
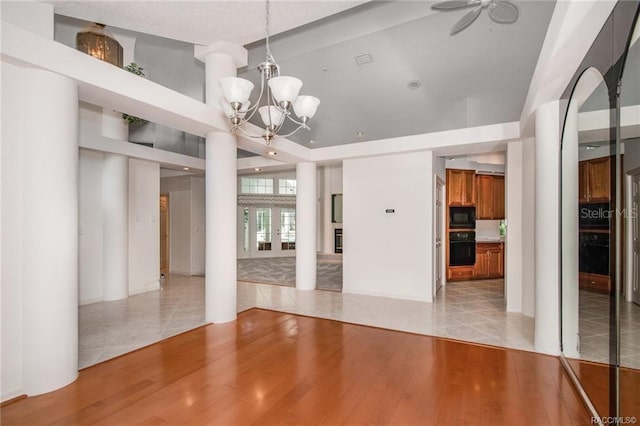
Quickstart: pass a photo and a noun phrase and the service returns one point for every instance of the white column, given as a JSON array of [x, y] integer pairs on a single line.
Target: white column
[[547, 230], [221, 223], [115, 213], [221, 60], [50, 243], [306, 257]]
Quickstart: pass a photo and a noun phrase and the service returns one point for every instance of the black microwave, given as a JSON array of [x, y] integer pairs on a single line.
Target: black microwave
[[595, 216], [462, 217]]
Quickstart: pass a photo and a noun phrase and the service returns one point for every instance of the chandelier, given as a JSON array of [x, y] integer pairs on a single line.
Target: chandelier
[[97, 42], [278, 94]]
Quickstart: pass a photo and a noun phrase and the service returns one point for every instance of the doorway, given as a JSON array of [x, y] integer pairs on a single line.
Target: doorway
[[164, 234], [266, 231]]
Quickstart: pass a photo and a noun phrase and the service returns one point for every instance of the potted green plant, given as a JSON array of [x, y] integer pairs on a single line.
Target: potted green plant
[[137, 70]]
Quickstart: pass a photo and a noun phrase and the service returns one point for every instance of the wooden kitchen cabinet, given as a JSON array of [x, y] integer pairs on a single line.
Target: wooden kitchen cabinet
[[594, 180], [489, 260], [461, 188], [594, 282], [460, 273], [489, 197]]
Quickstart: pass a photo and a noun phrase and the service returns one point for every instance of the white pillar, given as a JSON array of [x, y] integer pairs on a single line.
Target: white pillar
[[222, 60], [115, 213], [547, 229], [306, 257], [50, 242], [221, 224]]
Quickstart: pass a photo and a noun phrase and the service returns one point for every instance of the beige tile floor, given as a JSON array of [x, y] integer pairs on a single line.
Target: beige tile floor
[[471, 311], [594, 330]]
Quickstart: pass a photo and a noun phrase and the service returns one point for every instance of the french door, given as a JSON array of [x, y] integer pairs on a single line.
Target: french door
[[266, 231]]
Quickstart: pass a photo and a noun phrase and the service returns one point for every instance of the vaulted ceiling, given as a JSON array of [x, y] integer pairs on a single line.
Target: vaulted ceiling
[[417, 79]]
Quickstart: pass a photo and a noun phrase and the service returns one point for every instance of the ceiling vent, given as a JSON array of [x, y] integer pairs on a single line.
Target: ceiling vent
[[363, 59]]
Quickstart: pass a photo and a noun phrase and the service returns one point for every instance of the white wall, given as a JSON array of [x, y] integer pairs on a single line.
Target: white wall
[[12, 154], [144, 229], [528, 227], [90, 232], [198, 217], [513, 246], [388, 254]]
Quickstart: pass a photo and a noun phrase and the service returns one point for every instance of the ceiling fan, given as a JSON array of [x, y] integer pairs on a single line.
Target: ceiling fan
[[502, 11]]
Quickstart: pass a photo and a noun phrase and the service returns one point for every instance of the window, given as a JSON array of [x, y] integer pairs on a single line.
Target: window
[[288, 228], [253, 185], [287, 186]]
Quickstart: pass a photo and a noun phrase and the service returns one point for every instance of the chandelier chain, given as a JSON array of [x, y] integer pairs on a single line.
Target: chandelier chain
[[267, 15]]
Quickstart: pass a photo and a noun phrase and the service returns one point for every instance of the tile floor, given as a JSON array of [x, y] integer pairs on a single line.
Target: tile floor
[[594, 330], [471, 311], [474, 311]]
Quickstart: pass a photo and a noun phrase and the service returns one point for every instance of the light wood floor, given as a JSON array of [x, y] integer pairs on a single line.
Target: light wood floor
[[275, 368]]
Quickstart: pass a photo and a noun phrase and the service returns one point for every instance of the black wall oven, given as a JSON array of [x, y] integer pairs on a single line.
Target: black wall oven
[[462, 248], [462, 218], [593, 255], [595, 216]]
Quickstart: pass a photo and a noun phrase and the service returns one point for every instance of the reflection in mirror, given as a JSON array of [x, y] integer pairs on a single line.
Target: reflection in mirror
[[587, 273], [629, 332]]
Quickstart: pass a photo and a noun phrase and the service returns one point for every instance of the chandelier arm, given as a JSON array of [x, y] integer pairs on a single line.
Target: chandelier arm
[[255, 106], [289, 134], [299, 123], [249, 134]]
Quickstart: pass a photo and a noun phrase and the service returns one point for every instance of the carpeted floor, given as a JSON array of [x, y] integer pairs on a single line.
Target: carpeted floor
[[282, 271]]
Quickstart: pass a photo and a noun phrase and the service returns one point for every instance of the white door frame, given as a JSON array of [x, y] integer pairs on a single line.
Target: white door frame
[[439, 258], [276, 243]]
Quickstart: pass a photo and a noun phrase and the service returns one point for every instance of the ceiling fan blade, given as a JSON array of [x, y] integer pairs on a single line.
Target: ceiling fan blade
[[466, 20], [504, 12], [454, 4]]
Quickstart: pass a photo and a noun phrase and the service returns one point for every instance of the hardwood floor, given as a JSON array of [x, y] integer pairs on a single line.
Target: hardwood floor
[[275, 368], [594, 378]]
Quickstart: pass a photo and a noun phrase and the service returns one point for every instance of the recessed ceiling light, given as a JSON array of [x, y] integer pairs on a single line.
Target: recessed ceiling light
[[257, 169], [312, 141], [414, 84], [360, 133], [185, 168], [272, 153]]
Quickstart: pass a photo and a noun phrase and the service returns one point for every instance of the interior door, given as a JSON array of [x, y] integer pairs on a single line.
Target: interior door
[[164, 234]]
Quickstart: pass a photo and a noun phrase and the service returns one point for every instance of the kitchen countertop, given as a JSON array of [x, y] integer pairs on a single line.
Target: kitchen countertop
[[489, 239]]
